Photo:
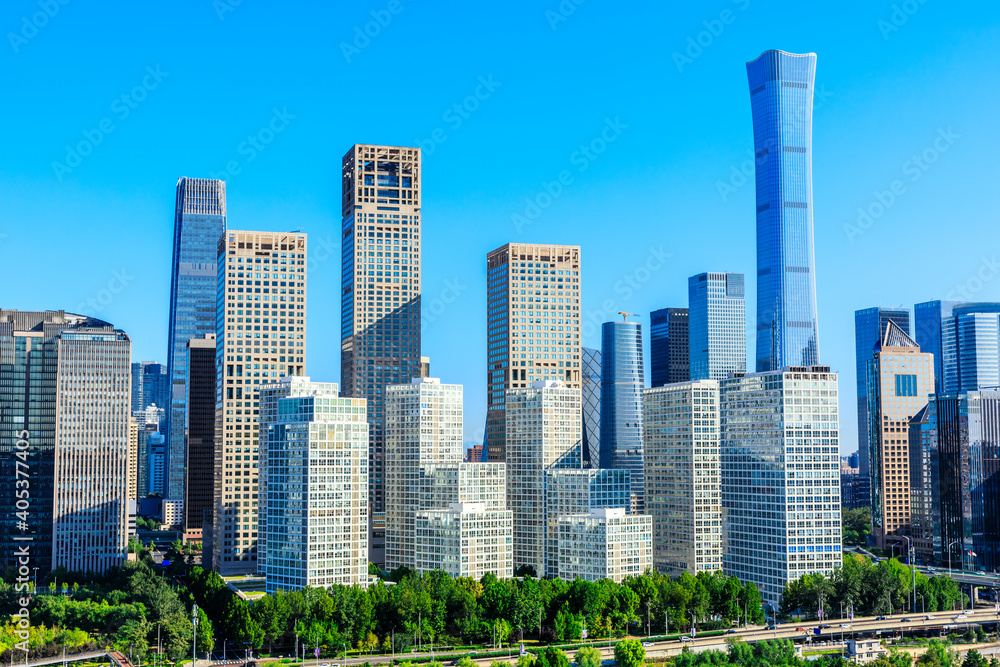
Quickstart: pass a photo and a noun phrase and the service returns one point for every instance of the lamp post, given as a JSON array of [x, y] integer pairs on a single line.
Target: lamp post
[[913, 569], [923, 607], [949, 556], [666, 623], [194, 636]]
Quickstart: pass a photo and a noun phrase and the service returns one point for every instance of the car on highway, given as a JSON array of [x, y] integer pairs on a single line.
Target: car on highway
[[800, 630], [928, 617], [824, 625], [906, 620], [772, 626], [730, 631], [685, 638], [324, 664], [881, 618], [845, 625], [647, 644]]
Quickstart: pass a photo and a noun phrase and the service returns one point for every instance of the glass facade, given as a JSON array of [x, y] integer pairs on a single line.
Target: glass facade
[[869, 325], [622, 382], [199, 223], [970, 351], [717, 337], [935, 330], [591, 391], [781, 98], [669, 360]]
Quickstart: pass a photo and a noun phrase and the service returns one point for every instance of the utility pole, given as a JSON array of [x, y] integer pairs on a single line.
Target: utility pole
[[194, 636]]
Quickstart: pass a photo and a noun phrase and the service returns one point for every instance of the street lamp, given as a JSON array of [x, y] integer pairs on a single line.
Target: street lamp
[[923, 607], [949, 556]]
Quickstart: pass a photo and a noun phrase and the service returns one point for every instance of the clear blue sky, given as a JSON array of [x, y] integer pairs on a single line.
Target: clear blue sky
[[887, 93]]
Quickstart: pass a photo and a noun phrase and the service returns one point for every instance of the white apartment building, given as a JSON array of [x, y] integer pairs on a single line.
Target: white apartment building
[[465, 540], [607, 543], [683, 482]]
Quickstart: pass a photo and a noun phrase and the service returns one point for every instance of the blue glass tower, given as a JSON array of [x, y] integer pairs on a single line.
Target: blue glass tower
[[622, 382], [590, 390], [947, 330], [781, 98], [869, 327], [717, 325], [669, 359], [199, 224]]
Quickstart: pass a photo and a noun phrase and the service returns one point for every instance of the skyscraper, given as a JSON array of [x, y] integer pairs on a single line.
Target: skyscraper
[[247, 359], [622, 382], [930, 329], [532, 325], [900, 378], [669, 356], [199, 223], [591, 397], [423, 427], [781, 98], [35, 366], [380, 293], [150, 385], [200, 434], [780, 488], [543, 433], [970, 351], [90, 507], [683, 492], [717, 325], [869, 325], [317, 485]]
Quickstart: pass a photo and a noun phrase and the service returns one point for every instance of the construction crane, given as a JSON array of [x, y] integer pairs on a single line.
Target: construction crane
[[625, 315]]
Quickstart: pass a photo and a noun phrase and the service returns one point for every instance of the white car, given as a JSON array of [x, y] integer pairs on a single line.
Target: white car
[[930, 618], [647, 644], [845, 625], [685, 638], [324, 664]]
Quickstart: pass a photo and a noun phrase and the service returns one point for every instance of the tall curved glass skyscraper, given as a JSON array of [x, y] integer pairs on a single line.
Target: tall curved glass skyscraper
[[622, 382], [781, 97]]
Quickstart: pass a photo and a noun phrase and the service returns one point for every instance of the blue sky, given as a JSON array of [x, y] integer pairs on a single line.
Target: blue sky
[[181, 88]]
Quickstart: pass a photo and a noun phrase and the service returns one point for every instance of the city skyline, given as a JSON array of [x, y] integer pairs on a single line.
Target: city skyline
[[854, 97]]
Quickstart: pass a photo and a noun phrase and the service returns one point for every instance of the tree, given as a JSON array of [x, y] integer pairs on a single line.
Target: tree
[[975, 659], [630, 653], [857, 526], [206, 636], [588, 656], [552, 657], [465, 661]]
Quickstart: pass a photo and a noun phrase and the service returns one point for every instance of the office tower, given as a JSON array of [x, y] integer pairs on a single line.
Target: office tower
[[579, 492], [965, 431], [669, 352], [157, 458], [532, 325], [150, 386], [317, 486], [683, 486], [474, 454], [925, 497], [869, 325], [781, 98], [380, 296], [607, 543], [543, 433], [465, 540], [622, 382], [32, 356], [780, 490], [199, 433], [590, 395], [929, 329], [900, 378], [423, 426], [90, 497], [247, 359], [717, 325], [970, 351], [148, 422], [853, 494], [132, 483], [199, 223]]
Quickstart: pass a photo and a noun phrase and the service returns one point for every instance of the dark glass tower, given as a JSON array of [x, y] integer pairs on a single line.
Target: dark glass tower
[[781, 98], [669, 359], [869, 325], [622, 382], [590, 389], [199, 223], [198, 503]]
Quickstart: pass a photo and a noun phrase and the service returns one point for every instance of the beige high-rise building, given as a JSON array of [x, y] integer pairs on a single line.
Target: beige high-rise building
[[532, 325], [423, 427], [260, 337], [683, 483], [133, 458], [90, 497], [900, 379], [380, 293], [543, 433]]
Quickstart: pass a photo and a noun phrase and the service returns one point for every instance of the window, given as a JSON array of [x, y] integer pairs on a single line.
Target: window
[[906, 385]]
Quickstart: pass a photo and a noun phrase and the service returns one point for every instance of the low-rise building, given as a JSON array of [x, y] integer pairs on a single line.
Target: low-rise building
[[465, 540], [607, 543]]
